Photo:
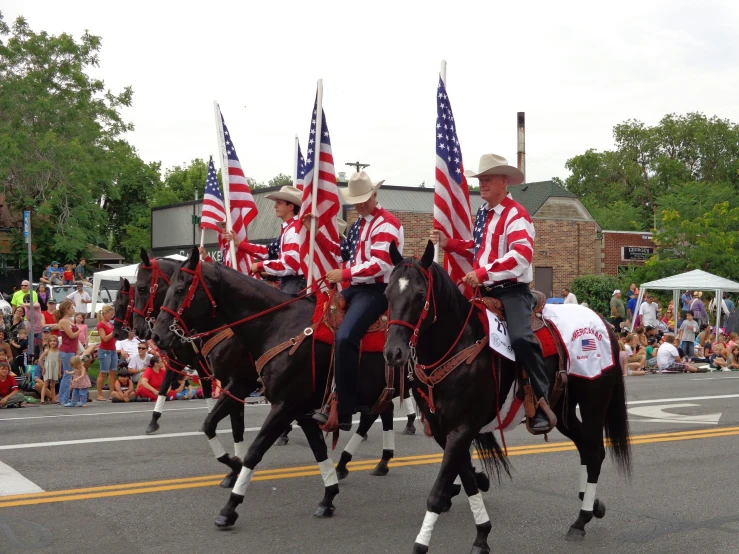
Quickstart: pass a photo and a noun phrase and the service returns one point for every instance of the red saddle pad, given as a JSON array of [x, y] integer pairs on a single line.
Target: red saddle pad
[[372, 342]]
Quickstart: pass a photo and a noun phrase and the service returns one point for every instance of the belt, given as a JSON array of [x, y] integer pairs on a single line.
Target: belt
[[291, 278], [502, 285]]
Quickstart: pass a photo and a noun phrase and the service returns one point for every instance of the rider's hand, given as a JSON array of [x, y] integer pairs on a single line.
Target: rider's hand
[[437, 237], [306, 219], [471, 279], [334, 276], [254, 268], [202, 251]]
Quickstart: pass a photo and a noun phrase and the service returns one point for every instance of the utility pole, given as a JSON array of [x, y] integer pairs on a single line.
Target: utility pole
[[359, 166]]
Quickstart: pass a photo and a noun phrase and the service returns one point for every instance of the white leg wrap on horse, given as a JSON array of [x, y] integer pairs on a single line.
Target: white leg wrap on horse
[[354, 442], [210, 403], [240, 449], [458, 480], [243, 481], [388, 440], [589, 499], [478, 509], [410, 409], [424, 535], [216, 447], [328, 472], [159, 406], [583, 477]]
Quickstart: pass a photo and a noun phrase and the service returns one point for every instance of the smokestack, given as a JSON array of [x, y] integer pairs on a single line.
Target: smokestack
[[522, 143]]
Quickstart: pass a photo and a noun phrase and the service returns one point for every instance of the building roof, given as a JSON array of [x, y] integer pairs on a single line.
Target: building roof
[[98, 253]]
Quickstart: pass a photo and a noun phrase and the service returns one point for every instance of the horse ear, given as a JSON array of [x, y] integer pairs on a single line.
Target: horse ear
[[395, 256], [428, 255], [144, 257], [125, 283], [194, 259]]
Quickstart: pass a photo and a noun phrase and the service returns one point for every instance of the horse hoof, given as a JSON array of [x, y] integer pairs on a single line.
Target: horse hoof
[[282, 441], [152, 428], [599, 509], [480, 550], [575, 534], [409, 430], [380, 471], [420, 548], [455, 490], [342, 473], [483, 481], [226, 522], [364, 438], [446, 507], [230, 480], [324, 512]]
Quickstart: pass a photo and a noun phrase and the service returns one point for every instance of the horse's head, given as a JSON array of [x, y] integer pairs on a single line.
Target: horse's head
[[123, 306], [152, 281], [188, 301], [410, 295]]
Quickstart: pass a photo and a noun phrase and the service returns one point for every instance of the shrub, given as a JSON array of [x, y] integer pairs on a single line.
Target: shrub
[[596, 290]]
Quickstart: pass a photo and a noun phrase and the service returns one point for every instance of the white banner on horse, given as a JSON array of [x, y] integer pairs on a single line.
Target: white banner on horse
[[499, 339]]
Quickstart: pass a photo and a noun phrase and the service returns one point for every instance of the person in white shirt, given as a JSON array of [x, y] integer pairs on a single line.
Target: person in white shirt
[[568, 296], [127, 347], [668, 358], [648, 312], [80, 299], [138, 362]]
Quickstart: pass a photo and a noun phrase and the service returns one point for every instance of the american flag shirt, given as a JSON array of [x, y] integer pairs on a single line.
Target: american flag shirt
[[369, 247], [503, 243], [286, 261]]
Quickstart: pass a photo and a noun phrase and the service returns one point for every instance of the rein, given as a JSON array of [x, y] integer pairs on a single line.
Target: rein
[[156, 274], [126, 321]]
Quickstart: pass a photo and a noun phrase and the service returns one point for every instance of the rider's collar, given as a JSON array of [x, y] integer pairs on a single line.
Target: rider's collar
[[500, 207], [374, 213]]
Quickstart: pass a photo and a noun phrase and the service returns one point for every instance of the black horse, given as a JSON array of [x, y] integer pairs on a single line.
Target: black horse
[[466, 400], [295, 381], [224, 358]]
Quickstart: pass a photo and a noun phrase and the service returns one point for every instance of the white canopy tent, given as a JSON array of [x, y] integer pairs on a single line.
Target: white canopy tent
[[692, 280], [115, 275]]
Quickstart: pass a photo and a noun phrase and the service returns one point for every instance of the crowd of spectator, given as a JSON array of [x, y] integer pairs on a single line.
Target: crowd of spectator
[[48, 361]]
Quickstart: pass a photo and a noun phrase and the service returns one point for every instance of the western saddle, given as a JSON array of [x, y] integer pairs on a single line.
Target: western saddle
[[537, 320]]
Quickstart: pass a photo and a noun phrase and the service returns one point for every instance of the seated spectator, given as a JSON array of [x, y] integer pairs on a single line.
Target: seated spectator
[[68, 274], [733, 361], [127, 347], [139, 362], [636, 353], [5, 347], [45, 275], [641, 335], [731, 341], [80, 272], [183, 389], [125, 391], [626, 367], [10, 395], [151, 380], [651, 351], [718, 359], [668, 358]]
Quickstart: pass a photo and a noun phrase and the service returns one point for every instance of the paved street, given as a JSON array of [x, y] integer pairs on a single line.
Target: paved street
[[102, 485]]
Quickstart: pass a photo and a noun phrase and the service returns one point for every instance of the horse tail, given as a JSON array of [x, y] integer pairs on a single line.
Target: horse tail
[[494, 461], [617, 419]]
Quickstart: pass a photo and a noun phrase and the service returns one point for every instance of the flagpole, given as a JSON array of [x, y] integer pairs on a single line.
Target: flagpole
[[314, 185], [224, 177], [295, 162], [442, 73]]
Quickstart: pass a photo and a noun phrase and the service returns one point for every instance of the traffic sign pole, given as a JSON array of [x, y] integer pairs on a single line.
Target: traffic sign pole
[[27, 235]]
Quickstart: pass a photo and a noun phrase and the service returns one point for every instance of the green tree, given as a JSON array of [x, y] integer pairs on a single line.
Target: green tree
[[181, 182], [280, 180], [59, 131], [596, 290]]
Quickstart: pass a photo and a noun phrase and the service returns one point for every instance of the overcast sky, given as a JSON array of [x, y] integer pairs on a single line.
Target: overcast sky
[[575, 68]]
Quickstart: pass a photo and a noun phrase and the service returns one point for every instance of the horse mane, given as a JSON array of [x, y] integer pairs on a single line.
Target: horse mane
[[449, 295], [262, 289]]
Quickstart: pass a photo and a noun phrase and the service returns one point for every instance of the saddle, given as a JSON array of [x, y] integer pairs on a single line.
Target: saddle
[[537, 319], [331, 311]]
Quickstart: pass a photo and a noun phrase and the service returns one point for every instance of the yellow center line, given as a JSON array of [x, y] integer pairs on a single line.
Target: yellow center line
[[145, 487]]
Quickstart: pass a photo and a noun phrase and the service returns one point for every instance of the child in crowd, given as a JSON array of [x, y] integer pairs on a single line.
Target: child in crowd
[[124, 388], [80, 384], [107, 354], [49, 360], [21, 346], [734, 358], [10, 395], [184, 389], [651, 354], [79, 321], [688, 331], [68, 274]]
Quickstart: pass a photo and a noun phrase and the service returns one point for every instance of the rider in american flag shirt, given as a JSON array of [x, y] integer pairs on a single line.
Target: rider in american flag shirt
[[501, 252]]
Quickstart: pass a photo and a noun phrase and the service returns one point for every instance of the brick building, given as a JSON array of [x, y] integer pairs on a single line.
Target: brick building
[[621, 249]]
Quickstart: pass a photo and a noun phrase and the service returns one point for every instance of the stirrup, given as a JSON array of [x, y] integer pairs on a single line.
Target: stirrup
[[319, 416]]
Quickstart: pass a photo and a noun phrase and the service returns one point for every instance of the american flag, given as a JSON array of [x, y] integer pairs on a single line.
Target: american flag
[[214, 212], [451, 194], [243, 207], [300, 170], [588, 345], [327, 204]]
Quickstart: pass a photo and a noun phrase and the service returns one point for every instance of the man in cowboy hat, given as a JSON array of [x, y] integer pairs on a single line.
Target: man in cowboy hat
[[501, 252], [367, 270], [286, 248]]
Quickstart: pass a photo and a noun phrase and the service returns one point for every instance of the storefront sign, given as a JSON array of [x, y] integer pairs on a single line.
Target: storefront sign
[[636, 253]]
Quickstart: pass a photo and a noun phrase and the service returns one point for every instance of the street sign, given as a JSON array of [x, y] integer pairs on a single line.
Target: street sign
[[26, 223], [195, 219]]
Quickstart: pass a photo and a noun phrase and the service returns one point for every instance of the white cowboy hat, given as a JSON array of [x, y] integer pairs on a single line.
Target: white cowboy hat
[[288, 194], [492, 164], [342, 225], [360, 188]]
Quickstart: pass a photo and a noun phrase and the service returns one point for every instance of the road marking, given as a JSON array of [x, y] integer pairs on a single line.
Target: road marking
[[312, 470], [687, 399], [713, 378], [23, 446], [13, 483], [658, 414]]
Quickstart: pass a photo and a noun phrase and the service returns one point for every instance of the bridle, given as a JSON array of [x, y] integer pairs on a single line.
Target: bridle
[[126, 321], [179, 327], [156, 274], [430, 300]]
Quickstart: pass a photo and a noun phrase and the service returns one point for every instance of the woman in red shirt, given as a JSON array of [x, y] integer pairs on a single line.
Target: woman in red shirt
[[152, 379], [107, 353]]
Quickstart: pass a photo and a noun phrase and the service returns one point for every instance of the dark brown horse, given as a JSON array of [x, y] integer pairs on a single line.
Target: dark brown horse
[[466, 400]]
